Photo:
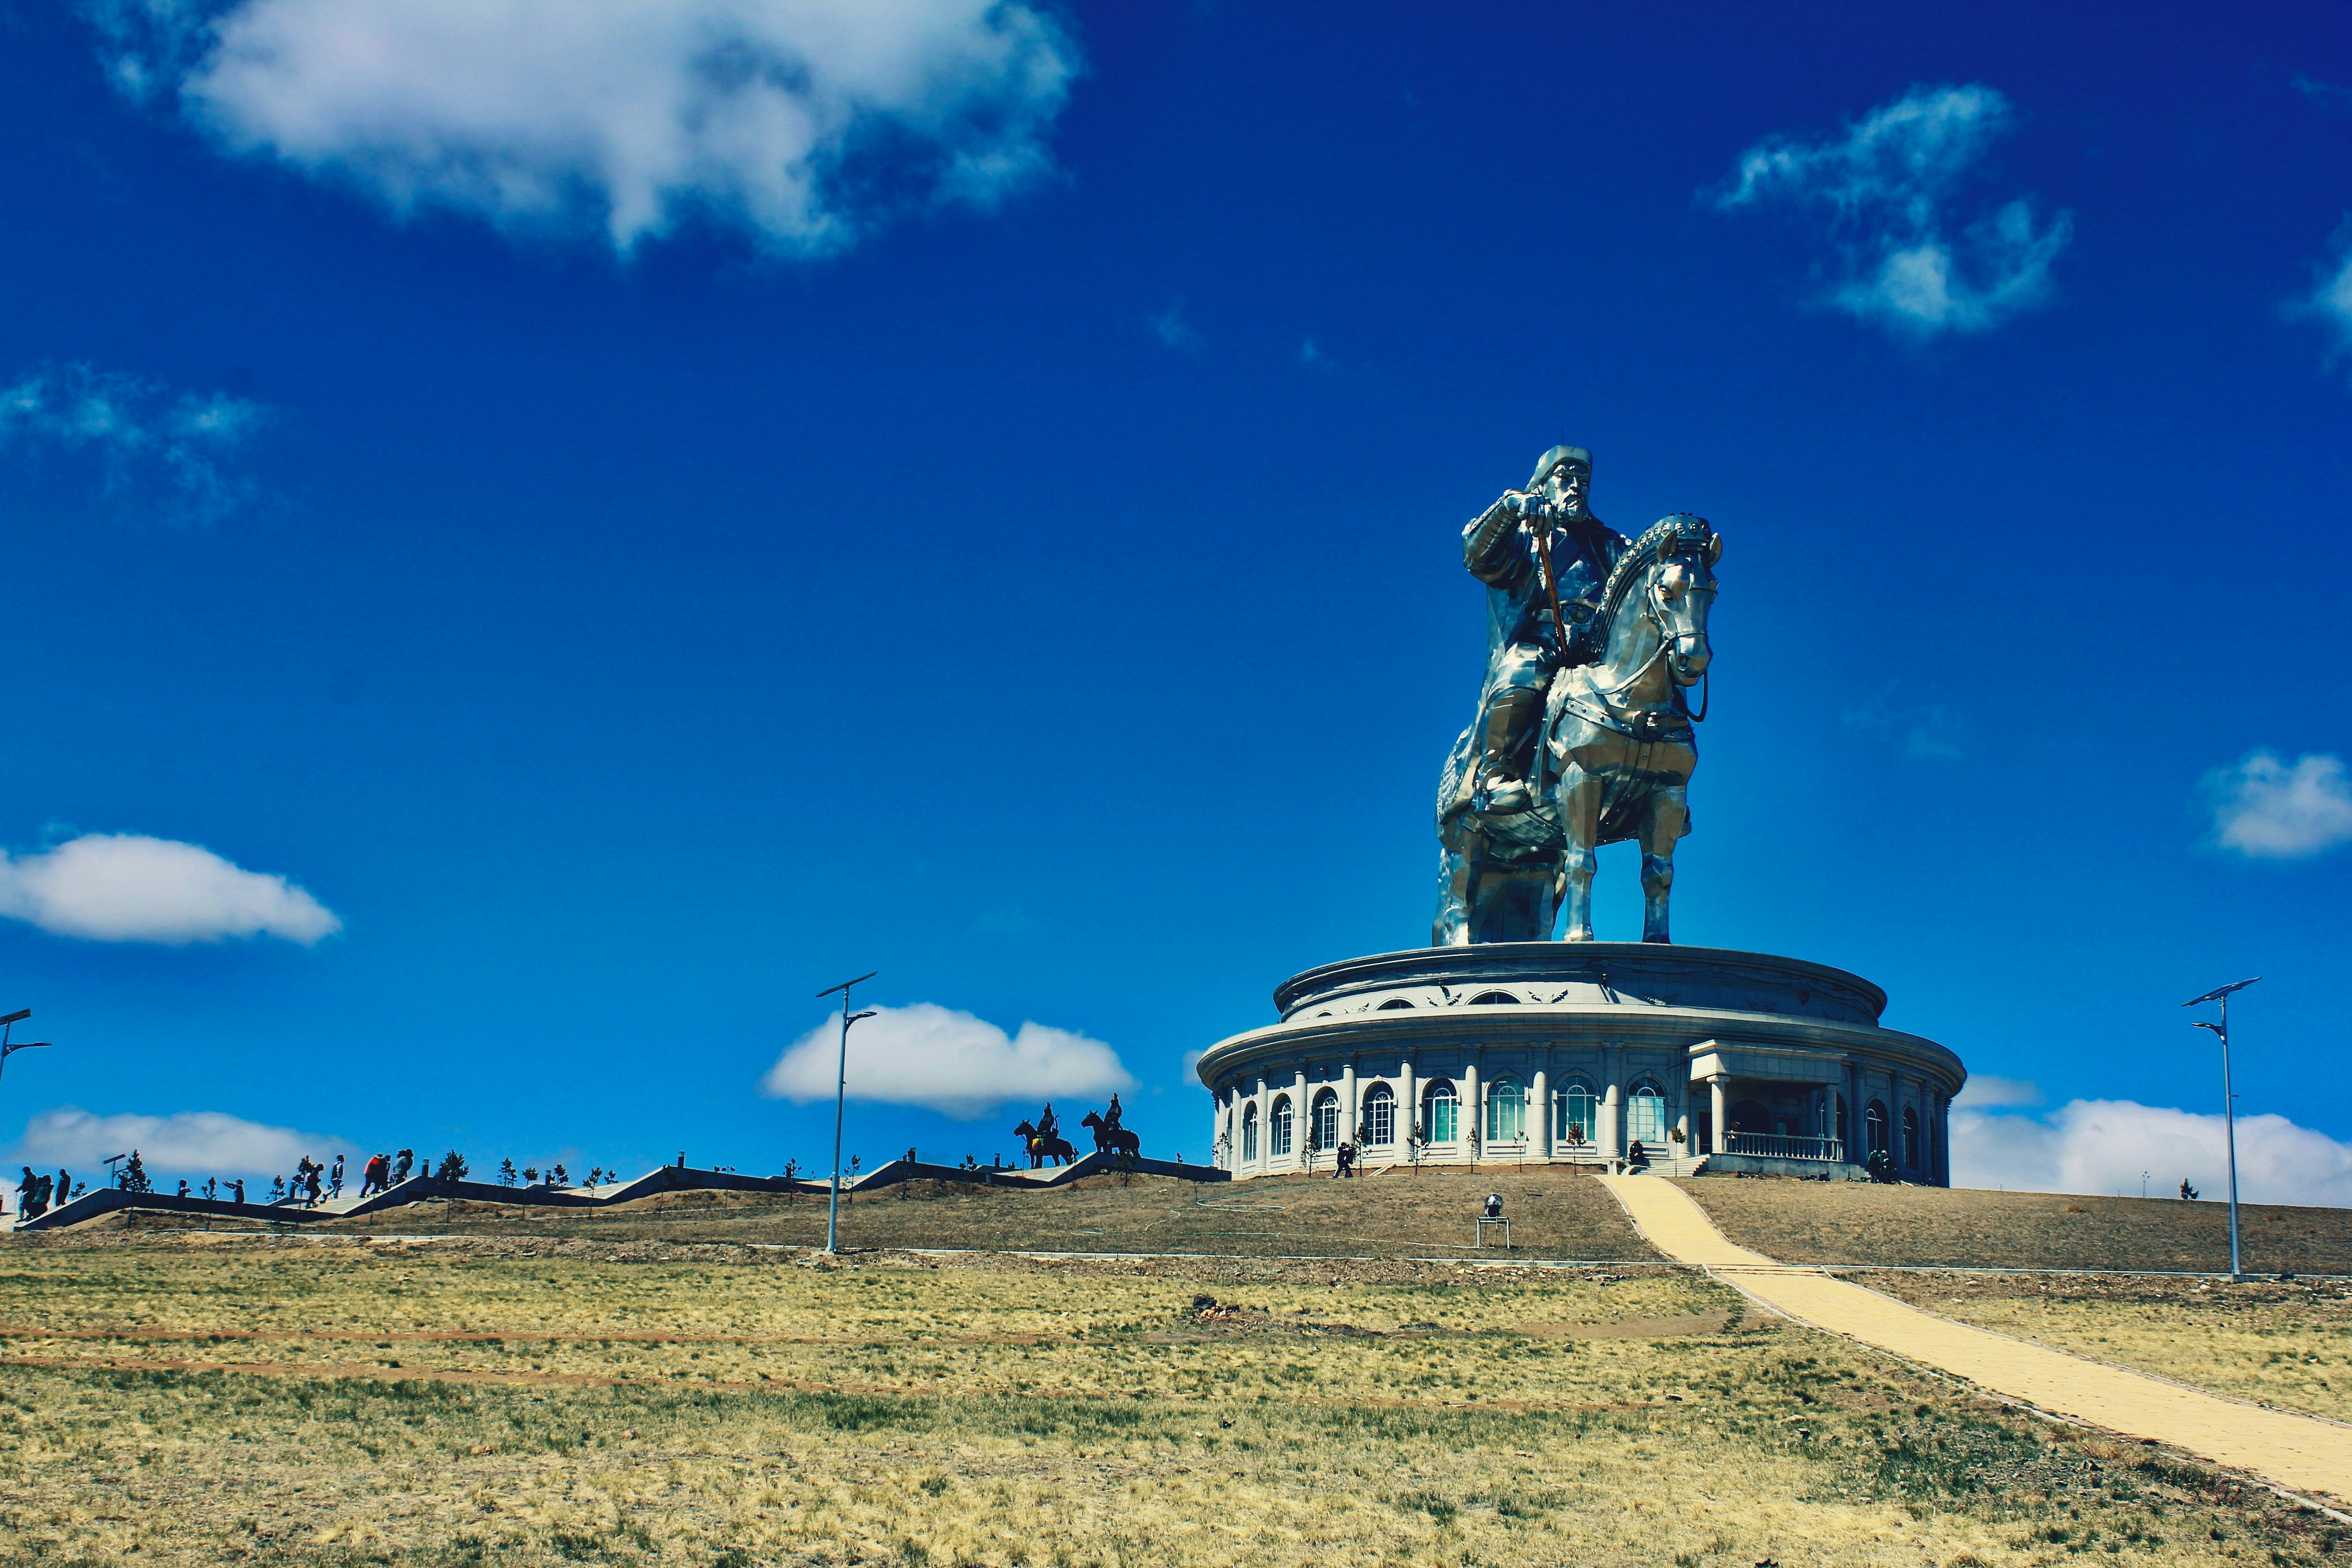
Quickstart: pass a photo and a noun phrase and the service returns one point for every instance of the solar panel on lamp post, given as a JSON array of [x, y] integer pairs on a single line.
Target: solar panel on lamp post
[[840, 1093], [2229, 1106]]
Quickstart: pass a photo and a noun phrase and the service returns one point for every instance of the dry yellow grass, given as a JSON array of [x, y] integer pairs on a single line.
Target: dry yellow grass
[[729, 1408], [2278, 1343], [1556, 1213], [1960, 1228]]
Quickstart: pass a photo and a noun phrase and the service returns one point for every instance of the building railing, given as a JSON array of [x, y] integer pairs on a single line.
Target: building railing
[[1787, 1146]]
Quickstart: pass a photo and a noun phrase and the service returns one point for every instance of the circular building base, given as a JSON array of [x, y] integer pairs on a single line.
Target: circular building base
[[1576, 1052]]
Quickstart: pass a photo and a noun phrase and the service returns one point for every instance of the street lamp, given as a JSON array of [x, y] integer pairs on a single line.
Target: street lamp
[[8, 1047], [2229, 1105], [840, 1092]]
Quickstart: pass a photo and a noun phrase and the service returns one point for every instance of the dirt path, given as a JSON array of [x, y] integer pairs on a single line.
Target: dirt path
[[2302, 1453]]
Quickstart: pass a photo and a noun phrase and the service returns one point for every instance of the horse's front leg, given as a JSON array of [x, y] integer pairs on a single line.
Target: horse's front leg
[[1662, 828], [1576, 799]]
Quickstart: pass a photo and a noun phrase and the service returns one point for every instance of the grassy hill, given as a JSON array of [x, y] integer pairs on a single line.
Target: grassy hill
[[1554, 1215]]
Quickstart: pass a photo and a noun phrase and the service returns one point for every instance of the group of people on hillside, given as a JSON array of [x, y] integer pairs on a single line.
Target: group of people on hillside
[[313, 1183], [36, 1195]]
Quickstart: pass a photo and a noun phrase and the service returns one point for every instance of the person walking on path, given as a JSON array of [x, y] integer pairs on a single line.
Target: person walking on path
[[27, 1195], [335, 1181], [311, 1185], [374, 1174], [400, 1171], [64, 1188]]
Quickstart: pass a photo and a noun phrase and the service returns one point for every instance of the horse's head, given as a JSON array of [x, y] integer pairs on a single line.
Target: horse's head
[[1681, 590], [1025, 1130], [1090, 1119]]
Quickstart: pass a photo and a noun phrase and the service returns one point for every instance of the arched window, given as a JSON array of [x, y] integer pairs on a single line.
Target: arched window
[[1494, 999], [1874, 1119], [1575, 1113], [1442, 1120], [1391, 1004], [1645, 1114], [1379, 1116], [1326, 1120], [1506, 1111], [1249, 1133], [1281, 1126], [1910, 1138]]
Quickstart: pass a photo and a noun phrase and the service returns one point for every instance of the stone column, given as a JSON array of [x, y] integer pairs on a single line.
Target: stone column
[[1539, 1107], [1943, 1139], [1473, 1107], [1347, 1101], [1299, 1117], [1718, 1100], [1408, 1101], [1264, 1122], [1852, 1121], [1613, 1104]]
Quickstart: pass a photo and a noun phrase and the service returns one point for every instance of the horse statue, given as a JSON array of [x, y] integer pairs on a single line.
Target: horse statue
[[1043, 1148], [1613, 760], [1110, 1139]]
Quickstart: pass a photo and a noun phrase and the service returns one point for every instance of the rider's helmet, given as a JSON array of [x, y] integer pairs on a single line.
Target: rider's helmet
[[1560, 457]]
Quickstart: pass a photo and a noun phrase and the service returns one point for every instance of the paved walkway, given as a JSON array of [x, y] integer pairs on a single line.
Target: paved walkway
[[2300, 1453]]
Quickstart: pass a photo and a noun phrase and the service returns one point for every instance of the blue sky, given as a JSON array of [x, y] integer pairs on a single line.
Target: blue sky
[[599, 536]]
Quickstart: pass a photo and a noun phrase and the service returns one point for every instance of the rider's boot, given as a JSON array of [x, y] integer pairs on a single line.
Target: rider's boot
[[1511, 720]]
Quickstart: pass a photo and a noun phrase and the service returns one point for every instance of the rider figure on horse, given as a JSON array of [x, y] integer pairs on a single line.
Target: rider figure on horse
[[1110, 1117], [1048, 1124], [1544, 557]]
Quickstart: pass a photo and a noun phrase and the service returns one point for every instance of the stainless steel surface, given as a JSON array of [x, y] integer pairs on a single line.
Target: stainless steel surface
[[1582, 736]]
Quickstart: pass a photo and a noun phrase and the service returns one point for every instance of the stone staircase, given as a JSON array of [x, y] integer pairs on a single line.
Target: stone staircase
[[1686, 1165]]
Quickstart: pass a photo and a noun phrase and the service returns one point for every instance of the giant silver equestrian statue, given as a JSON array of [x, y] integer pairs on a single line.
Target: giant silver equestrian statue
[[1584, 735]]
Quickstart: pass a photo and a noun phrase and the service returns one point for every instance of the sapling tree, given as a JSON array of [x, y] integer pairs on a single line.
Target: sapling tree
[[506, 1173], [453, 1167]]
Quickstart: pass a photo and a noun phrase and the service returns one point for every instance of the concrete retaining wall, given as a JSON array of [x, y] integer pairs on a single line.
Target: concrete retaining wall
[[662, 1179]]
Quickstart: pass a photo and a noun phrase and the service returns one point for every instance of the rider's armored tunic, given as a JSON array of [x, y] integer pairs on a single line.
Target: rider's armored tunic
[[1523, 646]]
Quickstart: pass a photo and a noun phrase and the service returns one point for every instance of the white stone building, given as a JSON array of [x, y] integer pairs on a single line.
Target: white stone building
[[1553, 1052]]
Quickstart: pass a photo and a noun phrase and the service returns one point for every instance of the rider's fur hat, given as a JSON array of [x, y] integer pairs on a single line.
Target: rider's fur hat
[[1560, 457]]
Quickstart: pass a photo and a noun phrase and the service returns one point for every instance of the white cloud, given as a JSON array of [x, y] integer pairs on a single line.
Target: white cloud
[[797, 120], [2330, 300], [1931, 731], [1173, 330], [1888, 185], [126, 887], [946, 1061], [1984, 1090], [2103, 1145], [2270, 810], [139, 431], [188, 1143]]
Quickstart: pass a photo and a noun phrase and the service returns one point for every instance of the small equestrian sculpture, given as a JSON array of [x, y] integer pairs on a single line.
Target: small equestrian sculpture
[[1618, 736], [1110, 1138], [1044, 1146]]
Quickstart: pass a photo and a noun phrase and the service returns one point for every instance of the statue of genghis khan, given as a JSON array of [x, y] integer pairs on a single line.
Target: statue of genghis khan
[[1582, 736], [1544, 558]]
